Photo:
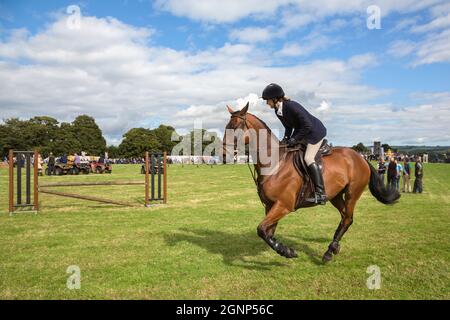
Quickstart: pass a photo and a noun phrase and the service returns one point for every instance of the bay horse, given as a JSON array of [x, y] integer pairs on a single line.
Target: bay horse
[[346, 174]]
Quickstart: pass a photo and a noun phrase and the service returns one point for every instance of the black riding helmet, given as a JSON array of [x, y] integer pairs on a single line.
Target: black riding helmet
[[272, 91]]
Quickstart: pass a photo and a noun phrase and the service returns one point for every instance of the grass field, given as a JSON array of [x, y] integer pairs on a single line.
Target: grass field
[[203, 243]]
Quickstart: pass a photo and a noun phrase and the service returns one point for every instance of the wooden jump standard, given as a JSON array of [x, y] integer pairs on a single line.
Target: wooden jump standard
[[23, 159]]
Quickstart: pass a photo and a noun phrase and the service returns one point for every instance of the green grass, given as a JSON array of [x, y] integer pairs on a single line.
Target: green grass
[[203, 243]]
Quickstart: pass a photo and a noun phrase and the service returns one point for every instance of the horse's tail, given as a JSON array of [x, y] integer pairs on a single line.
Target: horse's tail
[[386, 195]]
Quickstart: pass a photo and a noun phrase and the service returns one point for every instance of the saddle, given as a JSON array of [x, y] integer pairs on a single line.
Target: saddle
[[307, 189]]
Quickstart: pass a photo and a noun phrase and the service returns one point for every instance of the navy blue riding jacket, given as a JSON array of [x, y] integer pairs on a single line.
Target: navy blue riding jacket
[[303, 124]]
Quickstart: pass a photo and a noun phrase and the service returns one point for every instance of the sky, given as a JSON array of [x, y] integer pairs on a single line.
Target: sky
[[366, 76]]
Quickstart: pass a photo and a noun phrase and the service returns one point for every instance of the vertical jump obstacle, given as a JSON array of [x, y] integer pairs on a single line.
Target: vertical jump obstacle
[[23, 160], [156, 167]]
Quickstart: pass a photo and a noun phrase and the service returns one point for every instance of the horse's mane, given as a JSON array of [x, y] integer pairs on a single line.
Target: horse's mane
[[264, 124], [282, 154]]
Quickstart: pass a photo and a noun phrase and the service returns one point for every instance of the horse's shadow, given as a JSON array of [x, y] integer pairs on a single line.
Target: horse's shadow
[[237, 249]]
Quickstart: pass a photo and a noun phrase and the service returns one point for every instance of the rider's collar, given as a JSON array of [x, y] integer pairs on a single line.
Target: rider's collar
[[279, 108]]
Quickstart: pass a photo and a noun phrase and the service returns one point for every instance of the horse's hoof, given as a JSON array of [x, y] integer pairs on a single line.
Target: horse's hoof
[[290, 253], [327, 257], [336, 248]]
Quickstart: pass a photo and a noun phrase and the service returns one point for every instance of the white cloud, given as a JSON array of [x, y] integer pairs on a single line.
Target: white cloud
[[401, 48], [111, 71], [324, 106], [433, 38], [404, 24], [251, 34], [291, 50], [310, 44], [440, 9], [435, 48], [362, 61], [217, 11], [302, 11], [436, 24], [396, 126]]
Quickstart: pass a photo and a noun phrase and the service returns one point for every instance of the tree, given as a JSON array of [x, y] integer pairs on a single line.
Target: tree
[[164, 135], [46, 135], [113, 152], [15, 135], [89, 135], [360, 148], [65, 141], [386, 147], [43, 133], [138, 140]]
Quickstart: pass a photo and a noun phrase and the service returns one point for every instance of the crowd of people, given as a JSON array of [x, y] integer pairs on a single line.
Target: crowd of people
[[394, 171]]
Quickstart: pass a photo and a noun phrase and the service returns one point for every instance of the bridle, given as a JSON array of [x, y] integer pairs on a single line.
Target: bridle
[[246, 127], [244, 117]]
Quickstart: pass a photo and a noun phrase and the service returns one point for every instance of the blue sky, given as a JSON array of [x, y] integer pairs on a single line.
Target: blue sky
[[176, 62]]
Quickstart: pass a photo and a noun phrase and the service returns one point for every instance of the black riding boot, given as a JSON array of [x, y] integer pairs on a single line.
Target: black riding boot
[[316, 176]]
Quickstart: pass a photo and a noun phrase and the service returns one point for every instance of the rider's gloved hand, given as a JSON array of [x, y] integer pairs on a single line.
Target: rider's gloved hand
[[291, 142]]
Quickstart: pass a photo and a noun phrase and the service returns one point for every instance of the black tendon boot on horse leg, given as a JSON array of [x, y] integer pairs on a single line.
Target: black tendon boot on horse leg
[[316, 176]]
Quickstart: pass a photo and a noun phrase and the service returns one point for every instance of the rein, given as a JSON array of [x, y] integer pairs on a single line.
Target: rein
[[252, 172]]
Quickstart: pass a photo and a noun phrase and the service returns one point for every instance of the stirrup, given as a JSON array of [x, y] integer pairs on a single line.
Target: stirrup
[[318, 198]]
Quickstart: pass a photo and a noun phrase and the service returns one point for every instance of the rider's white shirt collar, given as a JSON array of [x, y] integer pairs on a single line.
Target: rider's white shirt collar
[[279, 107]]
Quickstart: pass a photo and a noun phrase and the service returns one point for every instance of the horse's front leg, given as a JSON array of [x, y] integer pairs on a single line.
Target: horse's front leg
[[266, 229]]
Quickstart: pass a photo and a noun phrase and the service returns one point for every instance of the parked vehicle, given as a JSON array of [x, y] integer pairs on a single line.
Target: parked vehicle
[[69, 168], [97, 167]]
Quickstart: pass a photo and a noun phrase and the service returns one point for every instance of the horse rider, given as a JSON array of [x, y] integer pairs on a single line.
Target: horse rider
[[299, 125]]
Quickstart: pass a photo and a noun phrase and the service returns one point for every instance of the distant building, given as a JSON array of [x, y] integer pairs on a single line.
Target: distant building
[[378, 150]]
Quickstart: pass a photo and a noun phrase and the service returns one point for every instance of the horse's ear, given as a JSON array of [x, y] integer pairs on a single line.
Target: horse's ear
[[229, 109], [244, 110]]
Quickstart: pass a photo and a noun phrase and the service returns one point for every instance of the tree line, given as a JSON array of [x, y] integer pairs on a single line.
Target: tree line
[[361, 148], [46, 135]]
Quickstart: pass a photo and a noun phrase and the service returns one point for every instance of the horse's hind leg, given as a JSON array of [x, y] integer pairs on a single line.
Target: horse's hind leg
[[346, 208], [266, 229]]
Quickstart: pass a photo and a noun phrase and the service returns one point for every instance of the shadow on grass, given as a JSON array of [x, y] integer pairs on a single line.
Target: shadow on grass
[[236, 249], [312, 239]]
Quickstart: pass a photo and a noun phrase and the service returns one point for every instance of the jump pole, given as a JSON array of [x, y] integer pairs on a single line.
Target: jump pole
[[90, 198], [93, 183]]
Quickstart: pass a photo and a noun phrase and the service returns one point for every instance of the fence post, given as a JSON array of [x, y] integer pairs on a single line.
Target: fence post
[[165, 177], [35, 182], [28, 178], [11, 181], [147, 200]]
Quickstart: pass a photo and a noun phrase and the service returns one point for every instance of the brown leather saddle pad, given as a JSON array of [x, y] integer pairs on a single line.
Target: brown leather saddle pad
[[300, 165]]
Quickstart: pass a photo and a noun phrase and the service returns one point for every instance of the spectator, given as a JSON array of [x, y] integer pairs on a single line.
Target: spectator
[[406, 176], [51, 164], [21, 161], [397, 178], [76, 160], [63, 159], [419, 175], [392, 172], [39, 165], [381, 169]]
